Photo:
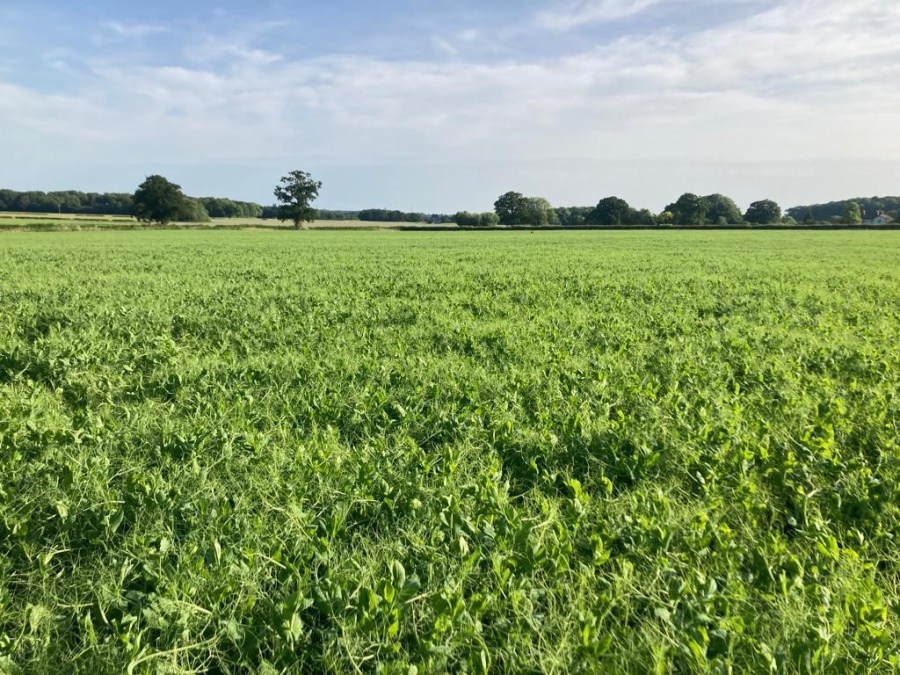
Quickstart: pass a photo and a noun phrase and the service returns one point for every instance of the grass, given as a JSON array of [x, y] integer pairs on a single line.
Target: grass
[[506, 452]]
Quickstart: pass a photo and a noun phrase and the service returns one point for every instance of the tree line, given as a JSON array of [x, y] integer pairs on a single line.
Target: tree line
[[514, 208], [73, 202], [392, 216], [691, 210], [159, 200], [68, 201], [191, 209], [840, 211]]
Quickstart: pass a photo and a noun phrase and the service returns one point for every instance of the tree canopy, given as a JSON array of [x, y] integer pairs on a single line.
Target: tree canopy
[[295, 194], [507, 207], [721, 210], [513, 208], [853, 214], [538, 212], [193, 211], [616, 212], [610, 211], [219, 207], [763, 212], [158, 200], [573, 216], [688, 210], [466, 219]]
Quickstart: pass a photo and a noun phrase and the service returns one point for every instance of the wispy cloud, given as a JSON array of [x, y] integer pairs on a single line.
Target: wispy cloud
[[567, 14], [457, 43], [132, 30]]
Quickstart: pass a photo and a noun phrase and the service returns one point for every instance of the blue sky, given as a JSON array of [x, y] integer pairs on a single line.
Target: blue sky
[[437, 105]]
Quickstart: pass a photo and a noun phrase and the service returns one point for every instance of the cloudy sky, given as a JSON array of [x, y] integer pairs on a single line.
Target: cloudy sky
[[442, 105]]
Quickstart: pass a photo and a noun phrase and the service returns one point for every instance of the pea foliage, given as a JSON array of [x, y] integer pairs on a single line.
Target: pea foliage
[[496, 452]]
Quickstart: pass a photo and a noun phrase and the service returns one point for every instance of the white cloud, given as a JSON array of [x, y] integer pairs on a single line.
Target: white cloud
[[803, 82]]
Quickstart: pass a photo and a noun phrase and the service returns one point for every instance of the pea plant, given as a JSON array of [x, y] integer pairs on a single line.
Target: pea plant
[[669, 452]]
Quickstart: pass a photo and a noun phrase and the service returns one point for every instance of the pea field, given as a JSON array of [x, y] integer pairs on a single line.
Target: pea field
[[510, 452]]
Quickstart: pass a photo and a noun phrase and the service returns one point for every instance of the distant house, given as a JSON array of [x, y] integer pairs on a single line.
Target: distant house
[[879, 218]]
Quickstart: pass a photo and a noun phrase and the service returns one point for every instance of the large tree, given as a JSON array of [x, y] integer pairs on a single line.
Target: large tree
[[721, 210], [853, 214], [537, 211], [513, 208], [611, 211], [763, 212], [688, 210], [158, 200], [508, 207], [295, 194]]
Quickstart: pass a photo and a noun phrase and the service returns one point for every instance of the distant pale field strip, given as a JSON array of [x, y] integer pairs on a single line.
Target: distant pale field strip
[[25, 217], [67, 220], [328, 224]]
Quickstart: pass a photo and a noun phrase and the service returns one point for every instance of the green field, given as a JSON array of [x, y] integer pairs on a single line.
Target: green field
[[507, 452]]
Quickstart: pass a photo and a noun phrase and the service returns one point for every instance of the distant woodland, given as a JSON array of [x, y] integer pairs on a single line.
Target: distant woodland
[[511, 209], [869, 207]]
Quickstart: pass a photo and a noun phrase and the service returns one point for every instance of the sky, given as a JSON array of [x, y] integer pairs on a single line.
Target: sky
[[443, 105]]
